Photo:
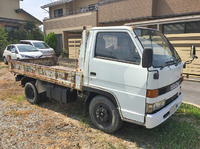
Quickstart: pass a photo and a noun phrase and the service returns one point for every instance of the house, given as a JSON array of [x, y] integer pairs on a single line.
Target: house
[[13, 17], [178, 19]]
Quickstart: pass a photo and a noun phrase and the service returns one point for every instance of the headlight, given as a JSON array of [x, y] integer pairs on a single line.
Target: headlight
[[150, 108]]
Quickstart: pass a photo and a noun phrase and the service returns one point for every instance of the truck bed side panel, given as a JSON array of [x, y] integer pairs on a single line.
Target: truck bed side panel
[[63, 76]]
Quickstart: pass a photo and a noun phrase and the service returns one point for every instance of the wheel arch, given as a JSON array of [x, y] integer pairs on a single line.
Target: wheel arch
[[92, 92]]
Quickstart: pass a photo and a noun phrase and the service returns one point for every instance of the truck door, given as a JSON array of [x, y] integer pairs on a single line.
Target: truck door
[[115, 67]]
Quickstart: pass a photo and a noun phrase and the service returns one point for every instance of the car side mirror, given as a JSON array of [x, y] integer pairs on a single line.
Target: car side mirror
[[13, 51], [147, 58], [193, 52]]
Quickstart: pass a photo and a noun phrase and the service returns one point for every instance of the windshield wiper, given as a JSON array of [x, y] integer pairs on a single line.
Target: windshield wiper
[[169, 63]]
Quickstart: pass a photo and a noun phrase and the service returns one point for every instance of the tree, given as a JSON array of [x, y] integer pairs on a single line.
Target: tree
[[37, 34], [51, 40], [29, 26], [3, 40]]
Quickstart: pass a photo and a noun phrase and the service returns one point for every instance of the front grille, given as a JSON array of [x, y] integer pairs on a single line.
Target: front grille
[[167, 88], [168, 101]]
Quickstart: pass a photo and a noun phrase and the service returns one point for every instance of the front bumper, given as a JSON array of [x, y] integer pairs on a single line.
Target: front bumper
[[153, 120], [49, 54]]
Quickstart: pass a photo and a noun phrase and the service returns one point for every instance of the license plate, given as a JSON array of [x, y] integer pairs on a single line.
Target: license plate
[[173, 109]]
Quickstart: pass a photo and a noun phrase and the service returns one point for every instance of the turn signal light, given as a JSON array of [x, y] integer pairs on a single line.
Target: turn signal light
[[182, 78], [152, 93]]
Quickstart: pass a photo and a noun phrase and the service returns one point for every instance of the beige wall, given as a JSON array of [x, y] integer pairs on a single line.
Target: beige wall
[[168, 7], [7, 10], [124, 10], [71, 23]]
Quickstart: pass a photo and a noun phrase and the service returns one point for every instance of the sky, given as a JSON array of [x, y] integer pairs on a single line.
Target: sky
[[33, 7]]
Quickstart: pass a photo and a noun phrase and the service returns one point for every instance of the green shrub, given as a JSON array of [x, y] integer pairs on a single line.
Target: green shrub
[[3, 40], [51, 40]]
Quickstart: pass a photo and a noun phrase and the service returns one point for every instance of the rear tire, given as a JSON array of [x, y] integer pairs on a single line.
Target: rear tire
[[104, 114], [5, 60], [31, 93]]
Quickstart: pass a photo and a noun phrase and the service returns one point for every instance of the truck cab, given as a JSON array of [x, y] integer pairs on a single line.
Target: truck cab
[[146, 92]]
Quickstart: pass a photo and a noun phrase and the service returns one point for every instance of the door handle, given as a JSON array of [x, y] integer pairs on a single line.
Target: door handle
[[93, 73]]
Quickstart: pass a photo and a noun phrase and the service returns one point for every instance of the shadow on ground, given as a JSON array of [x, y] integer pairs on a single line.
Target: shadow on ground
[[176, 132]]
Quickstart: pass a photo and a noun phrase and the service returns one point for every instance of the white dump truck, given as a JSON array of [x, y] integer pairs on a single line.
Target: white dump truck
[[123, 73]]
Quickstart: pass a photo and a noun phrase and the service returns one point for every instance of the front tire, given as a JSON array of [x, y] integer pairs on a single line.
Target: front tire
[[31, 93], [104, 114]]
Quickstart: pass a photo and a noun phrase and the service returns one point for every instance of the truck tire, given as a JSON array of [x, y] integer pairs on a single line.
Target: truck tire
[[31, 93], [5, 60], [104, 114]]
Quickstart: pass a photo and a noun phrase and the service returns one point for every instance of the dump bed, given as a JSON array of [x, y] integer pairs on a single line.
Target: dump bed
[[52, 70]]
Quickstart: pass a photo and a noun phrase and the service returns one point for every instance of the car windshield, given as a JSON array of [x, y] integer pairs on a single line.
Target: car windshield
[[27, 48], [164, 53], [41, 45]]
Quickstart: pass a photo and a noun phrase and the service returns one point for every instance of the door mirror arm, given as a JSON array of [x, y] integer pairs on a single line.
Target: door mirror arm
[[192, 54]]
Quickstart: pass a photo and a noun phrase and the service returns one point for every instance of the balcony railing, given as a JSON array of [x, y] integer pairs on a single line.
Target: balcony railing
[[106, 1], [92, 7]]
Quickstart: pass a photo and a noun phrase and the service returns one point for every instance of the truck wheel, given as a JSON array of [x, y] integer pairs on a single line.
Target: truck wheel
[[5, 60], [31, 93], [104, 114]]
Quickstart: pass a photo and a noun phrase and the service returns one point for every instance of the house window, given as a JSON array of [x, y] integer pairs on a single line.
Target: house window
[[180, 28], [9, 28], [58, 13]]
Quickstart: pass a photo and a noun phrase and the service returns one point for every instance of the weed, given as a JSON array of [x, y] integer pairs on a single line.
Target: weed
[[21, 98], [85, 122], [3, 67], [189, 110]]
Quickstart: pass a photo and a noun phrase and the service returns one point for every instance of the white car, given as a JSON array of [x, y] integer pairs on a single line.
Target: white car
[[21, 51], [40, 45]]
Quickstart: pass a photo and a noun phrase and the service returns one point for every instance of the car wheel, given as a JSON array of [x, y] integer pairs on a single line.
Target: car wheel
[[31, 93], [104, 114], [5, 60]]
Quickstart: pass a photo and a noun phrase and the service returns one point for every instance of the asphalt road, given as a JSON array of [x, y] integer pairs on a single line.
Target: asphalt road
[[191, 92]]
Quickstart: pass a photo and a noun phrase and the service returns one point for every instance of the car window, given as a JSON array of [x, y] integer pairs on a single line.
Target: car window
[[24, 42], [116, 46], [27, 48], [40, 45], [9, 48], [14, 50]]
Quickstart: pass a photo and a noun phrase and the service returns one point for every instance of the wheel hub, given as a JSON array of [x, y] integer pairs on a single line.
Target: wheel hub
[[103, 115]]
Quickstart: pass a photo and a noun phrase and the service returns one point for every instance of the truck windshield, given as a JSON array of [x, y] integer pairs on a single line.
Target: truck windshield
[[164, 53]]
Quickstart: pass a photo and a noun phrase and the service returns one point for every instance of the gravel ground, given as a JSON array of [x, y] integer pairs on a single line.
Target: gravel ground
[[49, 124]]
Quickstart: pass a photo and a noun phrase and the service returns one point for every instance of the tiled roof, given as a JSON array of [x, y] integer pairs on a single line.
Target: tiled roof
[[56, 3]]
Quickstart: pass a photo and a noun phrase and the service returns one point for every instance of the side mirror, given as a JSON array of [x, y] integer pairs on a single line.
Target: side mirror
[[193, 51], [147, 58], [12, 50]]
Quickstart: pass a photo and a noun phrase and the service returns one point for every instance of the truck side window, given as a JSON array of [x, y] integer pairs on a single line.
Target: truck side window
[[116, 46]]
